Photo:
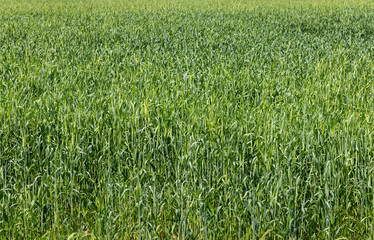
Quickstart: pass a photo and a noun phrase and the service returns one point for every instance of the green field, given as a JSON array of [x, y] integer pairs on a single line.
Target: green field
[[238, 119]]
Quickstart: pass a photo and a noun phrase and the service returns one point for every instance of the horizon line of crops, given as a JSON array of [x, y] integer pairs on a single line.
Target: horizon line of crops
[[189, 124]]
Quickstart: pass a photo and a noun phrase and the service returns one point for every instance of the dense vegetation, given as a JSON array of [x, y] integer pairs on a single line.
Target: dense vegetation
[[186, 120]]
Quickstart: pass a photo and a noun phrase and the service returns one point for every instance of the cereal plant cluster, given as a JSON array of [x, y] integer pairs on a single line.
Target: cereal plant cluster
[[145, 119]]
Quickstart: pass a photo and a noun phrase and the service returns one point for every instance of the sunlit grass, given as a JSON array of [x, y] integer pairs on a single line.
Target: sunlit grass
[[186, 120]]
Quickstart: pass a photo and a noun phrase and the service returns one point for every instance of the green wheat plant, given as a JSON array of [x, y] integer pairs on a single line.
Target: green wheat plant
[[186, 119]]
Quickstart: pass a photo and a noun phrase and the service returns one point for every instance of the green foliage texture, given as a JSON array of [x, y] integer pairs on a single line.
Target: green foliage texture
[[186, 119]]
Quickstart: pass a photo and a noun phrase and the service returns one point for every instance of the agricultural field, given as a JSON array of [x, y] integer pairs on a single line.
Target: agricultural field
[[145, 119]]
